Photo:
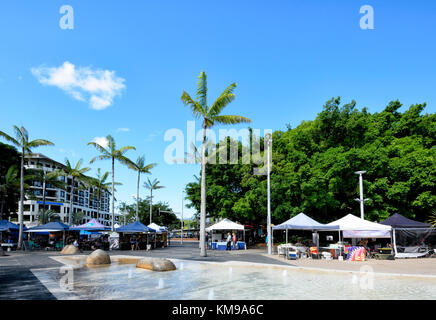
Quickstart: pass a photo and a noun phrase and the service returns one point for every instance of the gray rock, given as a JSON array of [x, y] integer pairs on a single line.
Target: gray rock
[[70, 249], [98, 257], [156, 264]]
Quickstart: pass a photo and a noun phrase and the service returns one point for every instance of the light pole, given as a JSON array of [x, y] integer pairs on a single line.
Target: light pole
[[181, 223], [361, 200], [181, 233], [269, 141]]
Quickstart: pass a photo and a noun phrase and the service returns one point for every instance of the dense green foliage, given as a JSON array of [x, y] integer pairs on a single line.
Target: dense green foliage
[[9, 192], [163, 219], [314, 164]]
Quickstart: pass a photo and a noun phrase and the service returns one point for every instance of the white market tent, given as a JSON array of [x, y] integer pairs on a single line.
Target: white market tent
[[303, 222], [156, 227], [225, 224], [354, 227]]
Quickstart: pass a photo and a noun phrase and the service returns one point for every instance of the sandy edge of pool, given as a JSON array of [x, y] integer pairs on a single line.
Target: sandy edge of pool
[[116, 258]]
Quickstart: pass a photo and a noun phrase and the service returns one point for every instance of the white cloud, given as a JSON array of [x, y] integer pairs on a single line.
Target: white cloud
[[101, 141], [123, 129], [95, 86]]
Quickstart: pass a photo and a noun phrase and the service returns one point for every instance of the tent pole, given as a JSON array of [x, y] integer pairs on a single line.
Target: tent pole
[[286, 235], [340, 247], [394, 240]]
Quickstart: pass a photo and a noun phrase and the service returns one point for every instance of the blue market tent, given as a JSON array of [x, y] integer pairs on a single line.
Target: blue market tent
[[50, 227], [303, 222], [5, 225], [399, 221], [134, 227]]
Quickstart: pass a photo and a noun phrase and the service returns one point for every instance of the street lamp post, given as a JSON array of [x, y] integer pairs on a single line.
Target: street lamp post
[[181, 233], [269, 141], [361, 200]]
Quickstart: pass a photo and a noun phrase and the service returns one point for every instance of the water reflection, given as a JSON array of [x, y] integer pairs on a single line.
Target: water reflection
[[193, 280]]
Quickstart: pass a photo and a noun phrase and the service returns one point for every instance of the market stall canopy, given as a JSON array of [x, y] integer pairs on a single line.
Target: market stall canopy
[[135, 227], [225, 224], [91, 225], [354, 227], [50, 227], [5, 225], [303, 222], [156, 227], [399, 221]]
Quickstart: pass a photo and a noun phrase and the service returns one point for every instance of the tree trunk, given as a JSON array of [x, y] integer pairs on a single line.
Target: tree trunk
[[137, 197], [151, 203], [70, 215], [113, 194], [98, 206], [1, 209], [43, 193], [203, 195], [20, 236]]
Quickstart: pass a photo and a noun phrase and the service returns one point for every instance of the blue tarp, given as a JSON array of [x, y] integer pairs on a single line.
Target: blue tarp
[[50, 227], [399, 221], [5, 225], [135, 227], [303, 222]]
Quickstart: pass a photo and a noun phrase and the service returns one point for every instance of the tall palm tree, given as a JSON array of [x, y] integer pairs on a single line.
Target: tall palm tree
[[140, 167], [210, 115], [77, 174], [112, 153], [46, 216], [21, 141], [10, 184], [47, 178], [152, 185], [100, 185]]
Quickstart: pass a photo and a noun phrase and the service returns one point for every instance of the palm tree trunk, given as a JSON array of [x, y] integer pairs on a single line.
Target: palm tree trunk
[[1, 209], [20, 236], [137, 197], [99, 204], [43, 193], [113, 194], [151, 203], [70, 215], [203, 195]]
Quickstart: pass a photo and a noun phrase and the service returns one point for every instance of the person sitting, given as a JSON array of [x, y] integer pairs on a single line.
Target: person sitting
[[115, 245]]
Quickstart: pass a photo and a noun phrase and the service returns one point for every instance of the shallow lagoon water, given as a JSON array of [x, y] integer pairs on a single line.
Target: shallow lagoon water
[[199, 280]]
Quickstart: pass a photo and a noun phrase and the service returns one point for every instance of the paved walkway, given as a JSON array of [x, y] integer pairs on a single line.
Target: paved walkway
[[18, 282]]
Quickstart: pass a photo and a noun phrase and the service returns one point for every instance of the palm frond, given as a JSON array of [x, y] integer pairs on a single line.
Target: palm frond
[[230, 119], [98, 147], [126, 148], [202, 90], [39, 142], [197, 110], [223, 100], [10, 139]]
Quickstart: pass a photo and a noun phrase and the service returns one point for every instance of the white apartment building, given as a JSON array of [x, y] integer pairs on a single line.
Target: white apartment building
[[58, 200]]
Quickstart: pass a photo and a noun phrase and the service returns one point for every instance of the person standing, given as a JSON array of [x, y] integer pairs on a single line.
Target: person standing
[[234, 240], [229, 241], [132, 242]]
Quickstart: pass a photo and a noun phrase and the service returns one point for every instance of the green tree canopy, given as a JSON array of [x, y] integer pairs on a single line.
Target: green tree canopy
[[314, 164]]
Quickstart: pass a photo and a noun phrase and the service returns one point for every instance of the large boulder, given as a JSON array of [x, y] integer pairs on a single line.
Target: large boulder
[[156, 264], [70, 249], [98, 257]]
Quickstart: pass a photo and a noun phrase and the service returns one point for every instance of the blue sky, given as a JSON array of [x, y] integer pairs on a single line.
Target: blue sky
[[287, 57]]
